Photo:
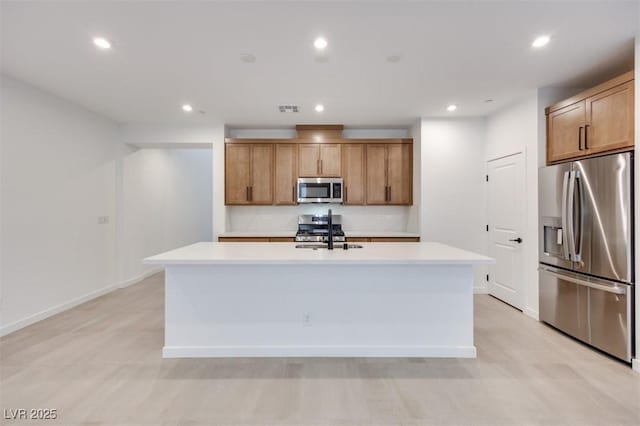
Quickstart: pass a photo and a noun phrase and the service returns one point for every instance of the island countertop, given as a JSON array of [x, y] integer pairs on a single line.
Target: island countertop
[[208, 253]]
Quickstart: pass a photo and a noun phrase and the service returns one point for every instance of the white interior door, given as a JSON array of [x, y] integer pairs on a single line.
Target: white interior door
[[506, 213]]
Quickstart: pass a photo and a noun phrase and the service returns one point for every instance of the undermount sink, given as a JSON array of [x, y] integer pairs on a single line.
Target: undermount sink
[[336, 246]]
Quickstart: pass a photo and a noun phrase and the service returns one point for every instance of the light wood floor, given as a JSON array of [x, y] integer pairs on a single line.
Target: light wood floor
[[100, 364]]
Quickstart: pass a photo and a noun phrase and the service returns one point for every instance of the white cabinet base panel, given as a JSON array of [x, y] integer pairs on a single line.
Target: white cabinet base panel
[[249, 310]]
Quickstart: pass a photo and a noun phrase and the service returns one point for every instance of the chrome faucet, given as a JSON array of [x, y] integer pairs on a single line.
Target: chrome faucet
[[330, 236]]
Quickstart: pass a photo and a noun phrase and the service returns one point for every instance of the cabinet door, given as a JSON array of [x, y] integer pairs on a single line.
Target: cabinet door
[[564, 132], [261, 190], [610, 119], [330, 160], [399, 174], [309, 160], [286, 174], [237, 170], [353, 173], [376, 169]]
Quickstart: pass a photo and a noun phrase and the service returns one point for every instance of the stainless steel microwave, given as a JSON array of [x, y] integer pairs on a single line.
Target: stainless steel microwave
[[320, 190]]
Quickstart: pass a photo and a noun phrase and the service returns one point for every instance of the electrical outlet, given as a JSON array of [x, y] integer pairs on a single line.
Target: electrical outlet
[[103, 220], [306, 320]]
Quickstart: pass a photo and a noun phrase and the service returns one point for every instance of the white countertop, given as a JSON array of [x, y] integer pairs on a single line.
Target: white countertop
[[207, 253], [292, 234]]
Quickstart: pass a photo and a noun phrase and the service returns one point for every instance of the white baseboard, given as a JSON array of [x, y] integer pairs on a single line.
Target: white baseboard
[[531, 313], [635, 364], [135, 280], [319, 351], [17, 325]]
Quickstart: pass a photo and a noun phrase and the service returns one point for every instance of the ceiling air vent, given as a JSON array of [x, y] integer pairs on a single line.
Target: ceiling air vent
[[288, 108]]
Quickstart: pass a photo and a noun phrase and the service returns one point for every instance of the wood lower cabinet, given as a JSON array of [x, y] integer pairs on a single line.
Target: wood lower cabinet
[[383, 239], [389, 171], [292, 239], [353, 173], [319, 160], [248, 174], [286, 174], [256, 239], [596, 121]]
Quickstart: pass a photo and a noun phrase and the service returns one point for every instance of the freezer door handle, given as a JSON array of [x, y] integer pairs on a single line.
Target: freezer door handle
[[608, 287]]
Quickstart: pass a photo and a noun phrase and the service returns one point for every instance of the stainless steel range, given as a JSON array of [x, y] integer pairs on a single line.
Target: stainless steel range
[[315, 229]]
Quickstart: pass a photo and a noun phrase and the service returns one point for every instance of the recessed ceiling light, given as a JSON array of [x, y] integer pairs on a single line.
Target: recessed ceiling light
[[248, 58], [187, 108], [102, 42], [488, 100], [393, 59], [320, 43], [319, 108], [452, 108], [541, 41]]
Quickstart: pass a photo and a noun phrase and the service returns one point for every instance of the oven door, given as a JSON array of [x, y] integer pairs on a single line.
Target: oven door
[[314, 190]]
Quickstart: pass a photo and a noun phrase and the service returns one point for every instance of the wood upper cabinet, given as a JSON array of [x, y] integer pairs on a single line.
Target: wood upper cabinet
[[376, 174], [248, 174], [609, 119], [286, 174], [565, 129], [598, 120], [353, 173], [319, 160], [400, 174], [389, 170]]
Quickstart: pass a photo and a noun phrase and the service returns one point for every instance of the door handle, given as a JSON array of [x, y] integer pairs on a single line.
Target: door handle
[[517, 240], [580, 138], [586, 131]]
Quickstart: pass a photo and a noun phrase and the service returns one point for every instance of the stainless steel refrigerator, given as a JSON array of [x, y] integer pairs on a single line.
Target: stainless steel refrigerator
[[586, 251]]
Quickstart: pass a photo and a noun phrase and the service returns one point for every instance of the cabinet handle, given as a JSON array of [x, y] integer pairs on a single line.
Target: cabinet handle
[[293, 194], [345, 199], [321, 166], [247, 193], [318, 166], [580, 138], [389, 195], [586, 132], [251, 192]]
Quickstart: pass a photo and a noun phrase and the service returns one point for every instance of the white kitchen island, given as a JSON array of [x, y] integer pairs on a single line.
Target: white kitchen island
[[272, 299]]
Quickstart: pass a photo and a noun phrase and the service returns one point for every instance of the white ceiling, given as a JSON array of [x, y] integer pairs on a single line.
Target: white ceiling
[[170, 52]]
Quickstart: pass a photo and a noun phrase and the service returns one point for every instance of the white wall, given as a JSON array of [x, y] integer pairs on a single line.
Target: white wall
[[452, 194], [57, 177], [285, 218], [166, 203], [175, 136]]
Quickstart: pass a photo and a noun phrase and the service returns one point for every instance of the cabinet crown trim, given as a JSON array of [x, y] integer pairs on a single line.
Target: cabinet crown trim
[[616, 81]]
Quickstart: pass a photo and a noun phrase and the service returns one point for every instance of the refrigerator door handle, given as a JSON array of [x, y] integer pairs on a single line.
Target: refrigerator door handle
[[609, 288], [565, 229], [577, 240], [571, 235]]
